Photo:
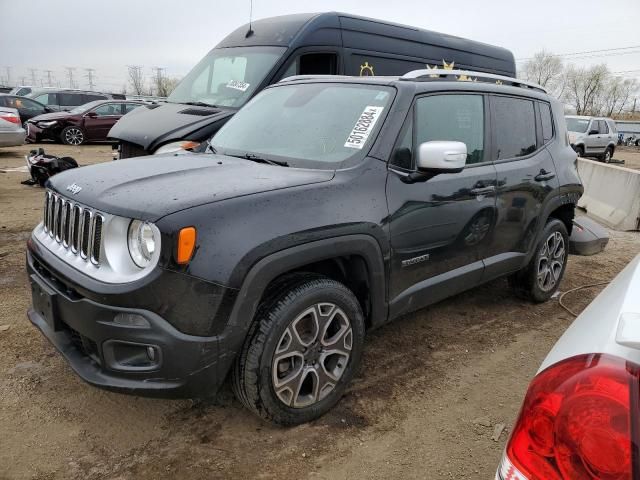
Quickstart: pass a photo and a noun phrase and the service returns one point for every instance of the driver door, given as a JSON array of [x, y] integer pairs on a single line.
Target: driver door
[[440, 228], [99, 121]]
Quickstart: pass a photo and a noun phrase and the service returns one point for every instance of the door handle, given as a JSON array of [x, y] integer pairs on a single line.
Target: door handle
[[483, 190], [544, 176]]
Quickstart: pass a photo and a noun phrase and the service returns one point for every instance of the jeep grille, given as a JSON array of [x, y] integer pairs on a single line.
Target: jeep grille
[[74, 226]]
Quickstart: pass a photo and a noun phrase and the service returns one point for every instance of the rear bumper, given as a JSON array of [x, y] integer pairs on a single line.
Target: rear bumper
[[12, 138], [114, 356]]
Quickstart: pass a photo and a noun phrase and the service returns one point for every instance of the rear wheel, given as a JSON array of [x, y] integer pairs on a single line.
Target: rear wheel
[[72, 136], [302, 351], [540, 279]]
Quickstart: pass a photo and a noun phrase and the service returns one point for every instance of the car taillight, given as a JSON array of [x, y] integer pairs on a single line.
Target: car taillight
[[578, 421], [10, 117]]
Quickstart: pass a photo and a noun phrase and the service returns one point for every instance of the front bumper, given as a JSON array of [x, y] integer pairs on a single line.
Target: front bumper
[[36, 133], [111, 355]]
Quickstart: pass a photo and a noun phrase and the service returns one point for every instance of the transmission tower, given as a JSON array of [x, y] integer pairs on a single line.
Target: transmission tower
[[49, 78], [70, 71], [89, 77], [33, 76]]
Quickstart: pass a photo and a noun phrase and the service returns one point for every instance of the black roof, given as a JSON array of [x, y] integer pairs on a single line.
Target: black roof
[[362, 33]]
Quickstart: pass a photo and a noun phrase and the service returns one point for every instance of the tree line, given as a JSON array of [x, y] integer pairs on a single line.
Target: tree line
[[592, 90]]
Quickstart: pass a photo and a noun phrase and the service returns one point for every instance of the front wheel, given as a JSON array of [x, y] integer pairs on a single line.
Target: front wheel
[[301, 352], [72, 136], [540, 279]]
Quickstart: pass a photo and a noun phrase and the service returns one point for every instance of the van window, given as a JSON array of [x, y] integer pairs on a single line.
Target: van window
[[46, 99], [93, 97], [547, 122], [452, 117], [318, 64], [70, 99], [514, 126], [227, 76]]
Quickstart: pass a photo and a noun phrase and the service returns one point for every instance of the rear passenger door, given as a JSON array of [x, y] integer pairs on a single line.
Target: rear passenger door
[[521, 129]]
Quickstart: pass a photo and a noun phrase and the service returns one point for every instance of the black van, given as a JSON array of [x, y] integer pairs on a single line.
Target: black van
[[268, 50]]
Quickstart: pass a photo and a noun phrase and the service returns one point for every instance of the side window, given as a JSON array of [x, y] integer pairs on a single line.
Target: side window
[[547, 122], [130, 106], [46, 99], [604, 128], [70, 99], [291, 70], [318, 64], [453, 117], [107, 110], [514, 124], [594, 127], [92, 98]]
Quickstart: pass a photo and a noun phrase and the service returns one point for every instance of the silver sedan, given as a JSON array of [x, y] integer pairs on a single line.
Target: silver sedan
[[11, 132], [581, 412]]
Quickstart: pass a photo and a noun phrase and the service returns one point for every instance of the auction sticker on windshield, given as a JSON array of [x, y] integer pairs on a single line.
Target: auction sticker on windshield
[[358, 136], [238, 85]]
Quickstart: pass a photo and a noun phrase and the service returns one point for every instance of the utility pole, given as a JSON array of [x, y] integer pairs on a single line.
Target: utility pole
[[49, 82], [89, 77], [70, 71], [33, 76], [8, 69]]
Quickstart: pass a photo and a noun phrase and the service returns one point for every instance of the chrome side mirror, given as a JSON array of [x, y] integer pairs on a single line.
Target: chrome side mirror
[[441, 157]]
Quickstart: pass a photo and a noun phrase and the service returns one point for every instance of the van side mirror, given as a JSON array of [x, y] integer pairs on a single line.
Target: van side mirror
[[441, 157]]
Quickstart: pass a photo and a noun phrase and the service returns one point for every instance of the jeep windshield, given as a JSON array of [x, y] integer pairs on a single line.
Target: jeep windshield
[[226, 76], [312, 125], [578, 125]]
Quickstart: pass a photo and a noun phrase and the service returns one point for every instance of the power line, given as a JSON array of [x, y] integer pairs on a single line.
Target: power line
[[583, 53]]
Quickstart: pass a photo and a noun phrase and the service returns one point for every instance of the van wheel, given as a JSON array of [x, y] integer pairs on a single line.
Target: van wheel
[[301, 352], [540, 279], [606, 158], [72, 136]]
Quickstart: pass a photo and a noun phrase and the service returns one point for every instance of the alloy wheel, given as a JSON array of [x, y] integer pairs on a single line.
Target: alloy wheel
[[74, 136], [607, 156], [312, 355], [551, 261]]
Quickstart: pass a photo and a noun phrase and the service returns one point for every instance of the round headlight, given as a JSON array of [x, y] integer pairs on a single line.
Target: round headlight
[[142, 243]]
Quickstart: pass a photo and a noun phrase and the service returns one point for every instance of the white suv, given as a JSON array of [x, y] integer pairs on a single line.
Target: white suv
[[592, 136]]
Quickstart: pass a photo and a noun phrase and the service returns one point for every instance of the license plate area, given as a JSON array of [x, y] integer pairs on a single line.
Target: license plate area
[[44, 302]]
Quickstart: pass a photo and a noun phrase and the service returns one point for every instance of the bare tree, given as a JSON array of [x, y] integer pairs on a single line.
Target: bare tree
[[585, 87], [618, 92], [136, 80], [547, 70]]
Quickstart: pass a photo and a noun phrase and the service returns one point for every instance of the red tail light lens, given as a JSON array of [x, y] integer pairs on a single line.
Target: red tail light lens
[[577, 422], [10, 117]]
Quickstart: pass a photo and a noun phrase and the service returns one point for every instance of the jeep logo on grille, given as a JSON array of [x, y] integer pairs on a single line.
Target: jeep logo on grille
[[73, 188]]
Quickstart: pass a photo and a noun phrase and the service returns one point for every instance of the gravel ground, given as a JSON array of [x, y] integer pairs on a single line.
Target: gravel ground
[[431, 388]]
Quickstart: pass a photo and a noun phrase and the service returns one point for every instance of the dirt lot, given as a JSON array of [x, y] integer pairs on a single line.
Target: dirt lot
[[431, 389], [630, 156]]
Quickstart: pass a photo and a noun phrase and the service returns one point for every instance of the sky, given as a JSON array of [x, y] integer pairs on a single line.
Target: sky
[[108, 35]]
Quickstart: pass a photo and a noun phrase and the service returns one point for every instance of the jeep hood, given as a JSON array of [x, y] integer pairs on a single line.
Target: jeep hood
[[149, 188], [151, 125]]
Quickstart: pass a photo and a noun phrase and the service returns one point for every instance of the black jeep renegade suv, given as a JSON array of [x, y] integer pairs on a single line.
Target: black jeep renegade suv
[[326, 207]]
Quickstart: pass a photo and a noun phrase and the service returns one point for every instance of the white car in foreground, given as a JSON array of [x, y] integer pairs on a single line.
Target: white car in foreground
[[581, 415]]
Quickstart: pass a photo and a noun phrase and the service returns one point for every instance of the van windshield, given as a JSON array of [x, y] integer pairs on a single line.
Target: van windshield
[[578, 125], [312, 125], [227, 76]]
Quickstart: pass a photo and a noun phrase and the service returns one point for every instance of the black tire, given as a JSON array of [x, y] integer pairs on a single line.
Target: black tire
[[73, 135], [526, 282], [281, 311], [608, 155], [580, 151]]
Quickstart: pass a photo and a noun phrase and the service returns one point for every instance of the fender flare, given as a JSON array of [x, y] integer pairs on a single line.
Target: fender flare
[[270, 267]]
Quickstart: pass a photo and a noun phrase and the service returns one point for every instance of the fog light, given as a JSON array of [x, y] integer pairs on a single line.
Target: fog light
[[151, 353], [131, 320]]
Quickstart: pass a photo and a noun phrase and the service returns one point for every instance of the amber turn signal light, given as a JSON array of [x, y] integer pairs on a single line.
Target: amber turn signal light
[[186, 244]]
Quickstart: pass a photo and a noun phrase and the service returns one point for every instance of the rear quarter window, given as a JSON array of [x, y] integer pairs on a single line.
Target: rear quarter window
[[547, 122], [514, 125]]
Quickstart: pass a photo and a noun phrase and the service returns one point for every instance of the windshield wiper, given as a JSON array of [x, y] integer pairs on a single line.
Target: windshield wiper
[[255, 158], [200, 104]]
